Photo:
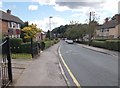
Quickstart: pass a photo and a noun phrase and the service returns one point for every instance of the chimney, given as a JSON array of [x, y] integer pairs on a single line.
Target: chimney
[[9, 11], [106, 20], [117, 16]]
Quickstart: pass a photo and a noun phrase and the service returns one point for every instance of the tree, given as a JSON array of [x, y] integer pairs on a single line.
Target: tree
[[48, 34], [72, 32], [30, 31], [92, 30]]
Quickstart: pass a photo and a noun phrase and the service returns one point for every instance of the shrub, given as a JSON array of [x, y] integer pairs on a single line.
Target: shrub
[[113, 44], [83, 42], [100, 44], [15, 44], [25, 48], [100, 39]]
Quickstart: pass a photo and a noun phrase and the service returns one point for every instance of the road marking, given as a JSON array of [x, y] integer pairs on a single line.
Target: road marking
[[70, 73]]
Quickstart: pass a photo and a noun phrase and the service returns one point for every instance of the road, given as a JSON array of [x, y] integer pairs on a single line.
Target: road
[[90, 68]]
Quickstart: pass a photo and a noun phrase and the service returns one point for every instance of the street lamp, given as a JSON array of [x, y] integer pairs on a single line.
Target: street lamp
[[50, 25]]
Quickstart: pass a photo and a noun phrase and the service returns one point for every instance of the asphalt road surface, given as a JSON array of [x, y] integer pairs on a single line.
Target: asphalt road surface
[[90, 68]]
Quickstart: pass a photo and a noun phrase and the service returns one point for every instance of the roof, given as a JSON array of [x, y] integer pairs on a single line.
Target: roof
[[9, 17], [110, 24]]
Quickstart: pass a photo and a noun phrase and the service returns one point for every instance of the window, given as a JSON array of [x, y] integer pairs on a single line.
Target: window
[[10, 24], [18, 26], [14, 25]]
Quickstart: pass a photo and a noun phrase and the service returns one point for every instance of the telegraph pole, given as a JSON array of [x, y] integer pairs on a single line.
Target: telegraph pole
[[50, 25]]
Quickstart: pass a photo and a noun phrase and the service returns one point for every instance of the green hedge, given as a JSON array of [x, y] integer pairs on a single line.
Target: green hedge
[[108, 44], [113, 45], [100, 44], [25, 48], [15, 44]]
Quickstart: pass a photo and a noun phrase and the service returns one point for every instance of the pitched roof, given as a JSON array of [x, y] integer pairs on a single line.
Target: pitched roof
[[110, 24], [8, 17]]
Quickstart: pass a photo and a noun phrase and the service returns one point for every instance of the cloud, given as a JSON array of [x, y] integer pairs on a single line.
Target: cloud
[[0, 4], [45, 2], [33, 7], [119, 7], [78, 5], [60, 8], [81, 9], [45, 25]]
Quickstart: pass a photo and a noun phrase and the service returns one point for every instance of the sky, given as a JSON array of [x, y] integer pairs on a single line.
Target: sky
[[62, 11]]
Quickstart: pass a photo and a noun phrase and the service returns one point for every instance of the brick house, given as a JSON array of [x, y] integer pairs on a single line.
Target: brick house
[[10, 24], [40, 36], [110, 29]]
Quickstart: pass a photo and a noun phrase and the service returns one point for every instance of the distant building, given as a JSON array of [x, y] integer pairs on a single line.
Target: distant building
[[40, 36], [10, 24], [110, 29]]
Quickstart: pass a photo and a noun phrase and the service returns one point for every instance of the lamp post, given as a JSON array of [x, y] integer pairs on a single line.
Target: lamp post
[[50, 25]]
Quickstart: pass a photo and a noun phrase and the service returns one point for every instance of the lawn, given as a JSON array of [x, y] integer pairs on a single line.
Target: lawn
[[21, 56]]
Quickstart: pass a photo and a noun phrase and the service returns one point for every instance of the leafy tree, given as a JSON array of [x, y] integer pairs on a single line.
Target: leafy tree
[[72, 32], [48, 34], [30, 31], [92, 30]]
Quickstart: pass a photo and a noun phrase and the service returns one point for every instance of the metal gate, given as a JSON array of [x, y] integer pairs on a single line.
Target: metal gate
[[5, 64]]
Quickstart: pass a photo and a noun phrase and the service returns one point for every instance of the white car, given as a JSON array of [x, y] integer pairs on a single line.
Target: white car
[[69, 41]]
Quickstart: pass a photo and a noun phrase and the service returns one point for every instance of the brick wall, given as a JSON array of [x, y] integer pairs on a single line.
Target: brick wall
[[4, 27]]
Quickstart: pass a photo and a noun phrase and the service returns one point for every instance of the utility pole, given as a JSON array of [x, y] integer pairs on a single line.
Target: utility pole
[[50, 25], [91, 18]]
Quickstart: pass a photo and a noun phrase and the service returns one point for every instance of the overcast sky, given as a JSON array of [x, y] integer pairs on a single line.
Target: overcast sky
[[62, 11]]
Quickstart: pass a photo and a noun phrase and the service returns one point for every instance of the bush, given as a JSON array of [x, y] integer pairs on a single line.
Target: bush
[[48, 44], [25, 48], [113, 44], [108, 44], [100, 39], [15, 44], [42, 45], [83, 42], [100, 44]]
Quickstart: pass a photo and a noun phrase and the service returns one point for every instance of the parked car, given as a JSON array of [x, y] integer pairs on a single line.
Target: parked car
[[69, 41]]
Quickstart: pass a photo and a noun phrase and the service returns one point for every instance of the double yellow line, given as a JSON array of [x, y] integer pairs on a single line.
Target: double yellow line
[[69, 71]]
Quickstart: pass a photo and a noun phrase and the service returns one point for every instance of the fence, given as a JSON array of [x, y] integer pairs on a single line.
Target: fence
[[5, 64]]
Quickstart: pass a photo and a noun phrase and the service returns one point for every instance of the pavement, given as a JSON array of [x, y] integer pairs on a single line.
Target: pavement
[[42, 71], [105, 51], [18, 67]]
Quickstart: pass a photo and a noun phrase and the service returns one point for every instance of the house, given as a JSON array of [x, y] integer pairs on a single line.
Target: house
[[110, 29], [10, 24], [40, 36]]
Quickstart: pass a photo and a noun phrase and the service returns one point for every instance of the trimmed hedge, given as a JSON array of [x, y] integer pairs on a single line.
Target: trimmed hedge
[[15, 44], [100, 44], [108, 44], [113, 45], [25, 48]]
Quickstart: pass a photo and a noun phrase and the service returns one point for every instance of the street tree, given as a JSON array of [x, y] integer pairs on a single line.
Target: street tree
[[30, 31]]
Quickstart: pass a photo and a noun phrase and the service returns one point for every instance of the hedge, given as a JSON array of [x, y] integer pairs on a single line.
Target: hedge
[[113, 45], [25, 48], [15, 44], [108, 44], [100, 44]]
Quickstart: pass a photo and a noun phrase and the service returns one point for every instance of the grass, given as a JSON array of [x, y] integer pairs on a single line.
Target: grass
[[50, 43], [21, 56]]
